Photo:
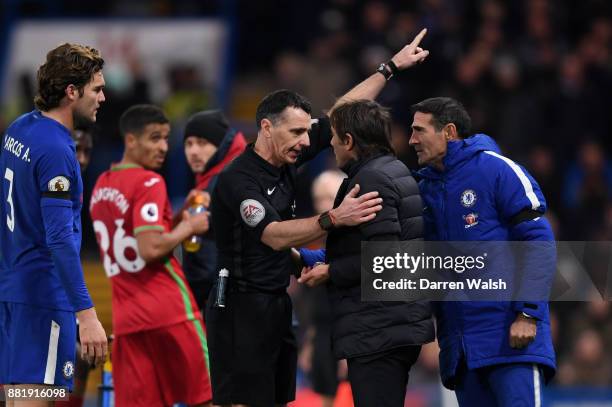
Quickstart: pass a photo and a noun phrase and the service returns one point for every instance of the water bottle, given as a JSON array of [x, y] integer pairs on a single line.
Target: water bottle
[[221, 288], [192, 244]]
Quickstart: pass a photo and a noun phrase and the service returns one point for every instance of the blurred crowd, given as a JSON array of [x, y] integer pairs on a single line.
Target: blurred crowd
[[534, 74]]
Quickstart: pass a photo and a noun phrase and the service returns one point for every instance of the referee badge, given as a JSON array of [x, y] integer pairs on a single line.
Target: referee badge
[[252, 212], [468, 198], [68, 369]]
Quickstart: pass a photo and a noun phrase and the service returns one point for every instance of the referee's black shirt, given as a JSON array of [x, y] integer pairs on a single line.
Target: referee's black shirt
[[250, 194]]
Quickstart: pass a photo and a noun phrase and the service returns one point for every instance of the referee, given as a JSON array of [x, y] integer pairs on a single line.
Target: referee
[[252, 346]]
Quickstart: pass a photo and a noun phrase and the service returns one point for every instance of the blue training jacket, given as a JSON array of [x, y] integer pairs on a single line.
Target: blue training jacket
[[484, 190]]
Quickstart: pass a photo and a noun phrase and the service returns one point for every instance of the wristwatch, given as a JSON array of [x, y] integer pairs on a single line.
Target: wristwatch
[[387, 69], [326, 222]]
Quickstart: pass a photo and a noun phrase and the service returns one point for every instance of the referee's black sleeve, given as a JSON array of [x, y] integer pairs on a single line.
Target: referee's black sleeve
[[320, 137], [244, 198]]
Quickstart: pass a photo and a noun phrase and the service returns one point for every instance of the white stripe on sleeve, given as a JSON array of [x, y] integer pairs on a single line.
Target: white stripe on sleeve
[[535, 203]]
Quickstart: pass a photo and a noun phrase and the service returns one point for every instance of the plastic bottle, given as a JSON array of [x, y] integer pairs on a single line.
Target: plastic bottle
[[192, 244]]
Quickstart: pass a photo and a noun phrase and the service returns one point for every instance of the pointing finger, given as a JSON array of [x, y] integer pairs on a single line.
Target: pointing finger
[[419, 37]]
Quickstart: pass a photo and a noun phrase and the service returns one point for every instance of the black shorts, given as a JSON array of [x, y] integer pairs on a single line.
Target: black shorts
[[252, 349]]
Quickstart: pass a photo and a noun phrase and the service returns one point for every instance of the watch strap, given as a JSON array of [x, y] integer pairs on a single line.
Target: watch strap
[[385, 70]]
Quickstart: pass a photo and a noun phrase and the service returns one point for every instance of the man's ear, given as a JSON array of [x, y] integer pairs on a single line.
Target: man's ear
[[130, 140], [266, 127], [349, 141], [450, 132], [72, 92]]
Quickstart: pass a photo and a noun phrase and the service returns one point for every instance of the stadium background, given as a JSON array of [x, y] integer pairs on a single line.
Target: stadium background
[[534, 74]]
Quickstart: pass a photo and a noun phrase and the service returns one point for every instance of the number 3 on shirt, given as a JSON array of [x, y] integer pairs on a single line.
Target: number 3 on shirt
[[121, 242], [10, 219]]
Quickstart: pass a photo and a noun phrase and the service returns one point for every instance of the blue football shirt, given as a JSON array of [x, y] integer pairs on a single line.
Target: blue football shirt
[[40, 223]]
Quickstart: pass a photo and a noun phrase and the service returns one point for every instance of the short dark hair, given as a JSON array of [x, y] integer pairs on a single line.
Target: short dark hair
[[137, 117], [368, 122], [446, 110], [276, 102], [67, 64]]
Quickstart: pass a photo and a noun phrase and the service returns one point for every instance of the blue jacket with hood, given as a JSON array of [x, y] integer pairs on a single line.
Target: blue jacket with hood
[[477, 198]]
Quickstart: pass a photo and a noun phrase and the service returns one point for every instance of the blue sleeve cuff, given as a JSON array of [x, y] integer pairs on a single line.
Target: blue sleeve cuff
[[537, 310], [310, 257]]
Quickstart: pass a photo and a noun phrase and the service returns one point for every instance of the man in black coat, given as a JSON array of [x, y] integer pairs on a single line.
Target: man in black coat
[[380, 340]]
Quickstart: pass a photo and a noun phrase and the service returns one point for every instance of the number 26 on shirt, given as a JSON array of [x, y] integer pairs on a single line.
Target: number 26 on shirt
[[121, 242]]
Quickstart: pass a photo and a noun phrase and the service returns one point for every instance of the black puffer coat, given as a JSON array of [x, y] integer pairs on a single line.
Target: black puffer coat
[[362, 328]]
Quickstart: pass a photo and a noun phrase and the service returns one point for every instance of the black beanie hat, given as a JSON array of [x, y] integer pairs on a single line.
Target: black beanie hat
[[208, 124]]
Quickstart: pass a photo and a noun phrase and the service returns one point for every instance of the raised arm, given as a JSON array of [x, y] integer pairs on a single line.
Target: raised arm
[[369, 89]]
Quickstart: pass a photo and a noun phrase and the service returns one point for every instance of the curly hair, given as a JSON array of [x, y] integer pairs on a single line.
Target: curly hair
[[68, 64]]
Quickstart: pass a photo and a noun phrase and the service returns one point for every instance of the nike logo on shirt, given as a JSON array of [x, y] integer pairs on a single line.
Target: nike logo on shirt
[[271, 191]]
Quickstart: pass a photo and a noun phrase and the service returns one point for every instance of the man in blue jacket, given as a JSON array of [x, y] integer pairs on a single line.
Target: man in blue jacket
[[491, 353]]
